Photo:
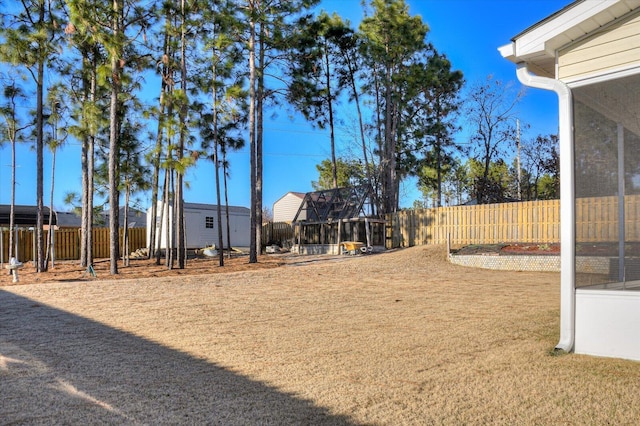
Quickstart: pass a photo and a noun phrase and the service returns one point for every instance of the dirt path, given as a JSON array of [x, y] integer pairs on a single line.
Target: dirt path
[[396, 338]]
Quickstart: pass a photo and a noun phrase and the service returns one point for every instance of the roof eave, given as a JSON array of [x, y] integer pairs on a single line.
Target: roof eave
[[537, 45]]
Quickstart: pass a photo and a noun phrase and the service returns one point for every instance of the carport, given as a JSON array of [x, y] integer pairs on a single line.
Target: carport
[[589, 54]]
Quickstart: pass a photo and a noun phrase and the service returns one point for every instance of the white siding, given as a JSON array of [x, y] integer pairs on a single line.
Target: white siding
[[615, 47], [285, 209], [197, 235]]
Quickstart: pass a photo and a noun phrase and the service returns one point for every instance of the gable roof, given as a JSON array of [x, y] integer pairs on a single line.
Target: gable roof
[[24, 215], [333, 204], [537, 45]]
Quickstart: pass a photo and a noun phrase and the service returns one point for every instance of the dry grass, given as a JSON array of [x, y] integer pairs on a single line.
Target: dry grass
[[396, 338]]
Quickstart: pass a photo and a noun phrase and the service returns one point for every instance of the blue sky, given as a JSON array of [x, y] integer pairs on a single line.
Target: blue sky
[[469, 32]]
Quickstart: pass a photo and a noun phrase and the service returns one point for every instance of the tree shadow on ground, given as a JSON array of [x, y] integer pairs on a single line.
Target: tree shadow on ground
[[59, 368]]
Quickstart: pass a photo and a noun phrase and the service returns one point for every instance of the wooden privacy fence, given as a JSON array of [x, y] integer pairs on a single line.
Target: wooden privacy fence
[[67, 243], [597, 220], [531, 221], [276, 232]]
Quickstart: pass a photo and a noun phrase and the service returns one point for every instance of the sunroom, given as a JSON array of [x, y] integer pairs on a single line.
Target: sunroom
[[589, 54]]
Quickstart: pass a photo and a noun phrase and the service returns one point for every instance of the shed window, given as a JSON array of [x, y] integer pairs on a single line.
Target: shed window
[[208, 222]]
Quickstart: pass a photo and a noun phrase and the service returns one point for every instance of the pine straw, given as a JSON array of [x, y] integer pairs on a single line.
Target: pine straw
[[397, 338]]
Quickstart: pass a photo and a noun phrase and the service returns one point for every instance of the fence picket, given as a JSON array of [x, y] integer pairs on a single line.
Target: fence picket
[[67, 243], [276, 232], [521, 222]]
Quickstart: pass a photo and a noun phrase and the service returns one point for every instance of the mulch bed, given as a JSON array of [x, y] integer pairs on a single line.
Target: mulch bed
[[541, 249], [67, 271], [509, 249]]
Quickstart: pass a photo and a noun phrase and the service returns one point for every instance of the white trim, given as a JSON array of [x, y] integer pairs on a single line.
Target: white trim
[[567, 201], [540, 42], [508, 51], [608, 76], [571, 24]]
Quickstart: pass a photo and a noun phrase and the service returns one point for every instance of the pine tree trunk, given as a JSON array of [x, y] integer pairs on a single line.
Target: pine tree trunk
[[259, 140], [163, 219], [88, 87], [85, 194], [390, 138], [380, 141], [153, 219], [219, 210], [226, 202], [114, 149], [356, 97], [171, 224], [334, 167], [179, 195], [90, 171], [125, 228], [216, 162], [50, 234], [153, 232], [253, 256], [13, 252], [40, 267], [91, 161]]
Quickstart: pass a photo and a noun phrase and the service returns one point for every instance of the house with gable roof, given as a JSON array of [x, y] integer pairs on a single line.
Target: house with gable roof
[[588, 53]]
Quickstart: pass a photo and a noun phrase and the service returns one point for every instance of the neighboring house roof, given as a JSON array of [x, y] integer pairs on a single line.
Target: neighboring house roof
[[537, 45], [24, 215], [136, 218], [69, 220]]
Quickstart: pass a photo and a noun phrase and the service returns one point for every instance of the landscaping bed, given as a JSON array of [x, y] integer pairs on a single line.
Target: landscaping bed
[[508, 249], [541, 249]]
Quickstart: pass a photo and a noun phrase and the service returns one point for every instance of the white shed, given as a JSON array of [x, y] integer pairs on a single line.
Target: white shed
[[589, 54], [201, 223], [285, 208]]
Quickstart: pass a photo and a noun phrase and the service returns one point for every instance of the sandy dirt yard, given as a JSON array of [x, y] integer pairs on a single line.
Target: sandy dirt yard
[[402, 337]]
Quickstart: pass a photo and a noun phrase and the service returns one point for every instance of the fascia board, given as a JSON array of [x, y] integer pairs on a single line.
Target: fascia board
[[508, 51], [577, 20]]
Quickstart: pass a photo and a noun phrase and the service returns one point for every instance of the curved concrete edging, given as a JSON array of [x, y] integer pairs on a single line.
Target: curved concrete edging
[[546, 263]]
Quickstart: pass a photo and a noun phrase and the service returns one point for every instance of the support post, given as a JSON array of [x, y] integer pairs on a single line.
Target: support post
[[621, 216]]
